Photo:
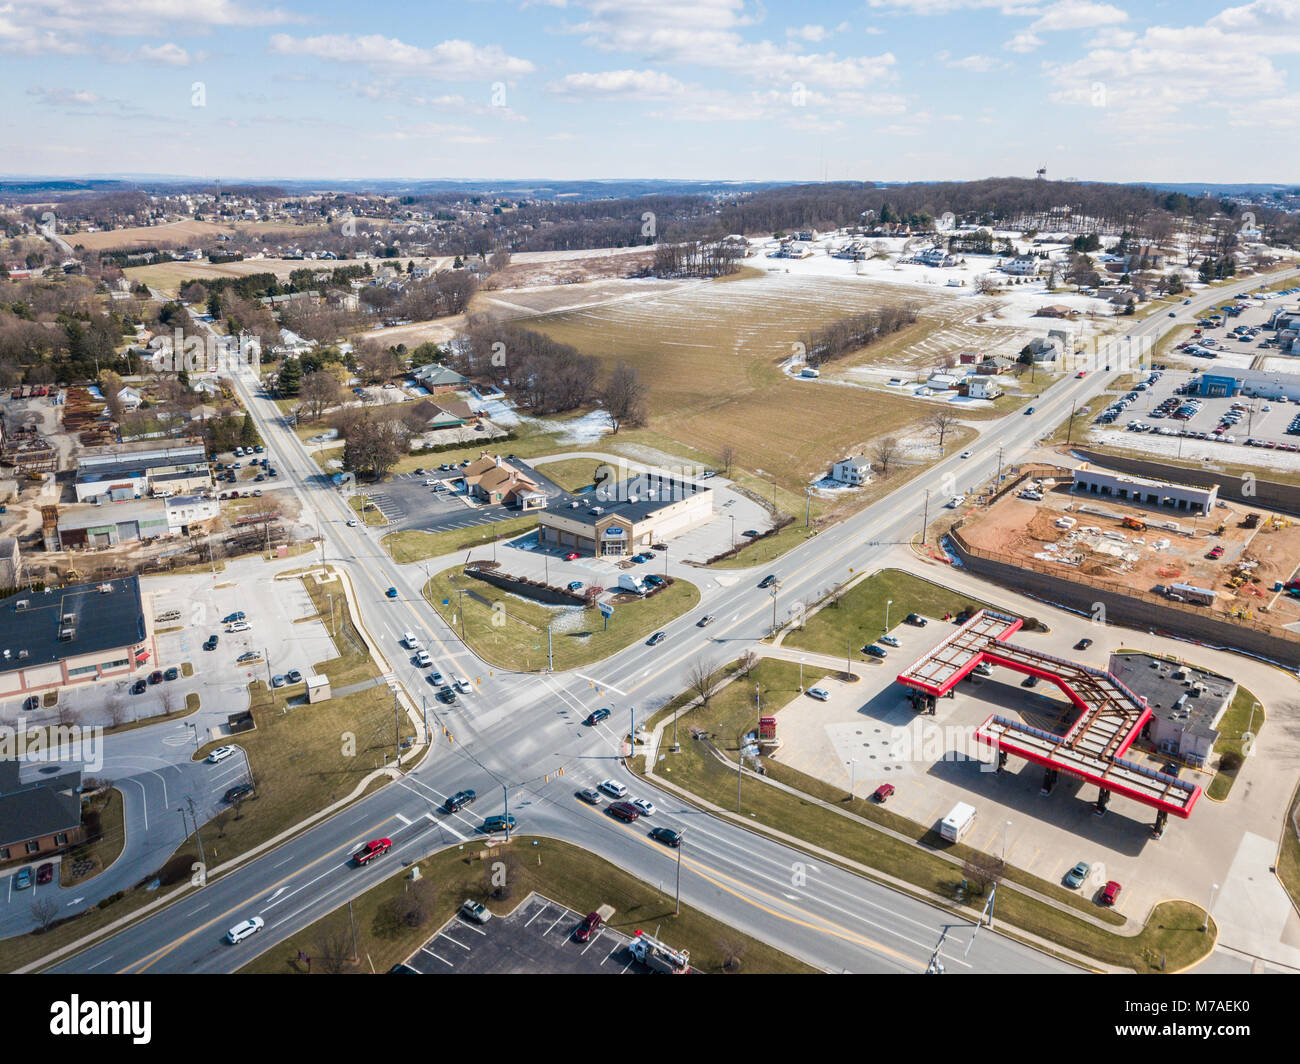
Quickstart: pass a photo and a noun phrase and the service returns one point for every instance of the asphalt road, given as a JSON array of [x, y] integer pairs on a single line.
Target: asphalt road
[[512, 729]]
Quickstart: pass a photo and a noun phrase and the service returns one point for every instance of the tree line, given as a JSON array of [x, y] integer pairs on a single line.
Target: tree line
[[839, 338]]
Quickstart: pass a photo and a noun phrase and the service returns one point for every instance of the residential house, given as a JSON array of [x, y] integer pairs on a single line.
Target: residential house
[[854, 470], [980, 388], [1021, 266], [1045, 350], [1056, 310], [438, 378], [994, 365], [130, 399]]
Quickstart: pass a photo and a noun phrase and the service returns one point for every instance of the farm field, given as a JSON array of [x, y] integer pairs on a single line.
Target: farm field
[[167, 277], [148, 235], [711, 354]]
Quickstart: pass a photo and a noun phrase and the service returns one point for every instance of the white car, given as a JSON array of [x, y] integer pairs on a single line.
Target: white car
[[967, 454], [430, 483], [461, 684], [241, 931], [411, 642], [239, 626], [889, 641], [646, 806], [956, 501], [352, 522], [819, 693], [613, 788], [423, 660], [220, 754]]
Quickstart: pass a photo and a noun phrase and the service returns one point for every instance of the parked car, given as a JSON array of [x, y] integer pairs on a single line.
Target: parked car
[[45, 873], [750, 532], [575, 585], [819, 693], [23, 879], [239, 626], [155, 676], [1076, 875], [476, 911], [139, 687], [624, 811], [293, 676], [590, 795], [915, 620], [220, 754], [883, 793], [572, 556], [888, 640], [596, 716], [1110, 892], [873, 651], [667, 836], [232, 618], [584, 930], [459, 800], [241, 931], [278, 681], [1216, 552], [1083, 644], [172, 674], [1030, 681], [240, 790], [613, 788]]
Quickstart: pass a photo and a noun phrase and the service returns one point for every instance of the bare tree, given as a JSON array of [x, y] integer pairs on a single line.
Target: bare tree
[[334, 948], [986, 284], [700, 680], [727, 458], [883, 453], [116, 707], [499, 260], [221, 820], [45, 911], [168, 697], [732, 950], [624, 397], [746, 662], [320, 390], [941, 421], [983, 869]]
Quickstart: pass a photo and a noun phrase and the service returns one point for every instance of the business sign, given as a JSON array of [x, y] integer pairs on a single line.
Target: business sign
[[607, 611]]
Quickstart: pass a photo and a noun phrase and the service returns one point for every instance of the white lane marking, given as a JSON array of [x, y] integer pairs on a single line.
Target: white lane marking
[[405, 822], [426, 949], [600, 683]]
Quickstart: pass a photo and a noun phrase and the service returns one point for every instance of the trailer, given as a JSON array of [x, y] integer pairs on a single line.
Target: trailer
[[1201, 596], [954, 826]]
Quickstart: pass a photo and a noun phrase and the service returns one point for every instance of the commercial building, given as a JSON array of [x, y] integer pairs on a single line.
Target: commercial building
[[118, 475], [11, 563], [1186, 703], [71, 635], [1250, 383], [110, 524], [628, 516], [39, 816], [491, 480], [1142, 491]]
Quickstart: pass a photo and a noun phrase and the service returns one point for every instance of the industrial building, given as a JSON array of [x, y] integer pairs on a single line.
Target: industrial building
[[71, 635], [97, 526], [1186, 703], [1143, 491], [626, 517], [116, 475]]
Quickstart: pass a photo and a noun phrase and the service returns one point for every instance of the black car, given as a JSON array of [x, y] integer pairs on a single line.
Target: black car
[[915, 620], [172, 674], [31, 703], [667, 836], [655, 639], [458, 801], [596, 716], [211, 642], [1029, 681], [138, 688], [447, 695], [768, 580], [240, 790], [873, 651], [1083, 644]]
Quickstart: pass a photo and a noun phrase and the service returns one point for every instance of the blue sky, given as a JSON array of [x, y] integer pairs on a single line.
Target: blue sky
[[880, 89]]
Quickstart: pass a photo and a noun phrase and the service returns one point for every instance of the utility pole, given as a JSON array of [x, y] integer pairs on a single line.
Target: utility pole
[[353, 920], [888, 603], [631, 735], [199, 839], [925, 516], [998, 481], [505, 790], [681, 837], [740, 766], [1069, 429], [397, 726], [807, 513]]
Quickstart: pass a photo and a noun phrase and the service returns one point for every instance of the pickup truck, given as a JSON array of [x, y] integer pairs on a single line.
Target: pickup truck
[[374, 848]]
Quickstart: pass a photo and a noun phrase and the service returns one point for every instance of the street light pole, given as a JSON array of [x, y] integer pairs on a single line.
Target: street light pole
[[888, 603], [853, 768], [505, 790], [681, 835], [925, 516], [1005, 825], [1208, 912]]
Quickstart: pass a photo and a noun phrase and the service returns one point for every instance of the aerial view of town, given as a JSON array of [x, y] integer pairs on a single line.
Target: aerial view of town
[[621, 489]]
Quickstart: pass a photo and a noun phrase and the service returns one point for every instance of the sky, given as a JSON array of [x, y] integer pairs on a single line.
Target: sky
[[688, 89]]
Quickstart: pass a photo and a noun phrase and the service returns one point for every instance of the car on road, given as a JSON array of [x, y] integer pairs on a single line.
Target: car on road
[[667, 836], [645, 807], [238, 791], [241, 931], [423, 660], [172, 674], [1083, 644], [456, 802], [1172, 314], [572, 556], [391, 592], [575, 585], [447, 695], [278, 681], [45, 873], [239, 626], [23, 879], [613, 788], [1076, 875], [1081, 374], [750, 532], [1028, 410], [138, 688], [461, 684], [476, 911], [493, 824], [873, 651], [915, 620], [590, 923], [888, 640], [768, 580], [624, 811], [819, 693], [655, 639], [596, 716], [883, 793], [967, 454], [704, 621], [374, 848], [293, 676], [436, 679], [1186, 301], [1110, 892], [220, 754], [352, 522], [155, 676], [590, 795]]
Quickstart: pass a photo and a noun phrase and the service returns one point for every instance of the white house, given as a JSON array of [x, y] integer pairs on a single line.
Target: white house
[[982, 388], [853, 470], [1021, 266], [130, 399]]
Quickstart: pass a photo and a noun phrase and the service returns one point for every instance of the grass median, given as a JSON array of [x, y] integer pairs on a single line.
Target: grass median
[[510, 632], [1171, 939], [1245, 714], [367, 511], [416, 546], [564, 873]]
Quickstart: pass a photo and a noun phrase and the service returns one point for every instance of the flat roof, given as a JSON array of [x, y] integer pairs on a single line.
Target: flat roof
[[107, 615], [87, 515], [1162, 682], [637, 497]]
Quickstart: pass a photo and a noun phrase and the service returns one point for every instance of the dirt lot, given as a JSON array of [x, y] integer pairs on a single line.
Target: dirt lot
[[1156, 555]]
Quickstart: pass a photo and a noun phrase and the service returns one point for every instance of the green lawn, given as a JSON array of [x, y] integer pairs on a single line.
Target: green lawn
[[416, 546], [353, 662], [1288, 861], [572, 474], [104, 851], [859, 617], [557, 870], [1172, 932], [1232, 726], [368, 511], [513, 636]]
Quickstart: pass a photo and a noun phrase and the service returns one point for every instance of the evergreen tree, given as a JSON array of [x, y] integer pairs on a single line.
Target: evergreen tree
[[248, 436], [290, 377]]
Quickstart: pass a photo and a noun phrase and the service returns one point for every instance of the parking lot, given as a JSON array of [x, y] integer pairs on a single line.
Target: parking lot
[[536, 938]]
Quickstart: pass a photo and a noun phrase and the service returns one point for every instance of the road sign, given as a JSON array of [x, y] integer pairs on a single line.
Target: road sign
[[606, 609]]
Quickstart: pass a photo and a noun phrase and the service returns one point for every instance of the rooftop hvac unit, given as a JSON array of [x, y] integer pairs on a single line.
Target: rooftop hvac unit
[[65, 635], [105, 589], [69, 618], [632, 498], [22, 604], [22, 654]]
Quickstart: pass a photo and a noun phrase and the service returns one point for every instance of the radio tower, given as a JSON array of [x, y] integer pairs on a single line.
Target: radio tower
[[1042, 172]]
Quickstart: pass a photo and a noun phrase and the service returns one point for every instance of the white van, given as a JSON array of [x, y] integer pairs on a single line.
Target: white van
[[955, 825], [423, 660]]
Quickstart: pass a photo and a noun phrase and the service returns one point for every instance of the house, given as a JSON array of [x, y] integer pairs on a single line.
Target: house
[[1045, 350], [968, 358], [853, 470], [130, 399], [1056, 310], [942, 381], [1021, 266], [438, 378], [292, 344], [489, 479], [935, 257], [994, 365], [39, 816], [980, 388]]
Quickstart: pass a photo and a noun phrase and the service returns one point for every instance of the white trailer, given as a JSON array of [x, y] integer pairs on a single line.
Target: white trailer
[[631, 582], [955, 825]]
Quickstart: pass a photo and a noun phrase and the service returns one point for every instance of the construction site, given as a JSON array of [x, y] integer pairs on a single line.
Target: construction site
[[1236, 560]]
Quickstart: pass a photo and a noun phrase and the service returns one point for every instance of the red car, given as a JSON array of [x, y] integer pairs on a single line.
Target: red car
[[883, 793], [572, 556], [1081, 374], [374, 848], [45, 873], [1110, 892], [625, 811], [584, 929], [1216, 552]]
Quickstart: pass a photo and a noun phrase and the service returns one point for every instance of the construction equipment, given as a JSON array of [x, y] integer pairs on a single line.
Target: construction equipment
[[1134, 523], [1251, 521]]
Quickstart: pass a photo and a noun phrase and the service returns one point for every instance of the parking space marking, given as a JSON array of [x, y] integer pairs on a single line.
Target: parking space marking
[[426, 949], [552, 927], [447, 938], [535, 915]]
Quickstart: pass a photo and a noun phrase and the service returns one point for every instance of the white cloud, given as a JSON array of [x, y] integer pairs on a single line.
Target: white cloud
[[811, 32], [618, 84], [1078, 15], [449, 61], [1112, 37], [1023, 43], [977, 64], [66, 97], [167, 54]]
